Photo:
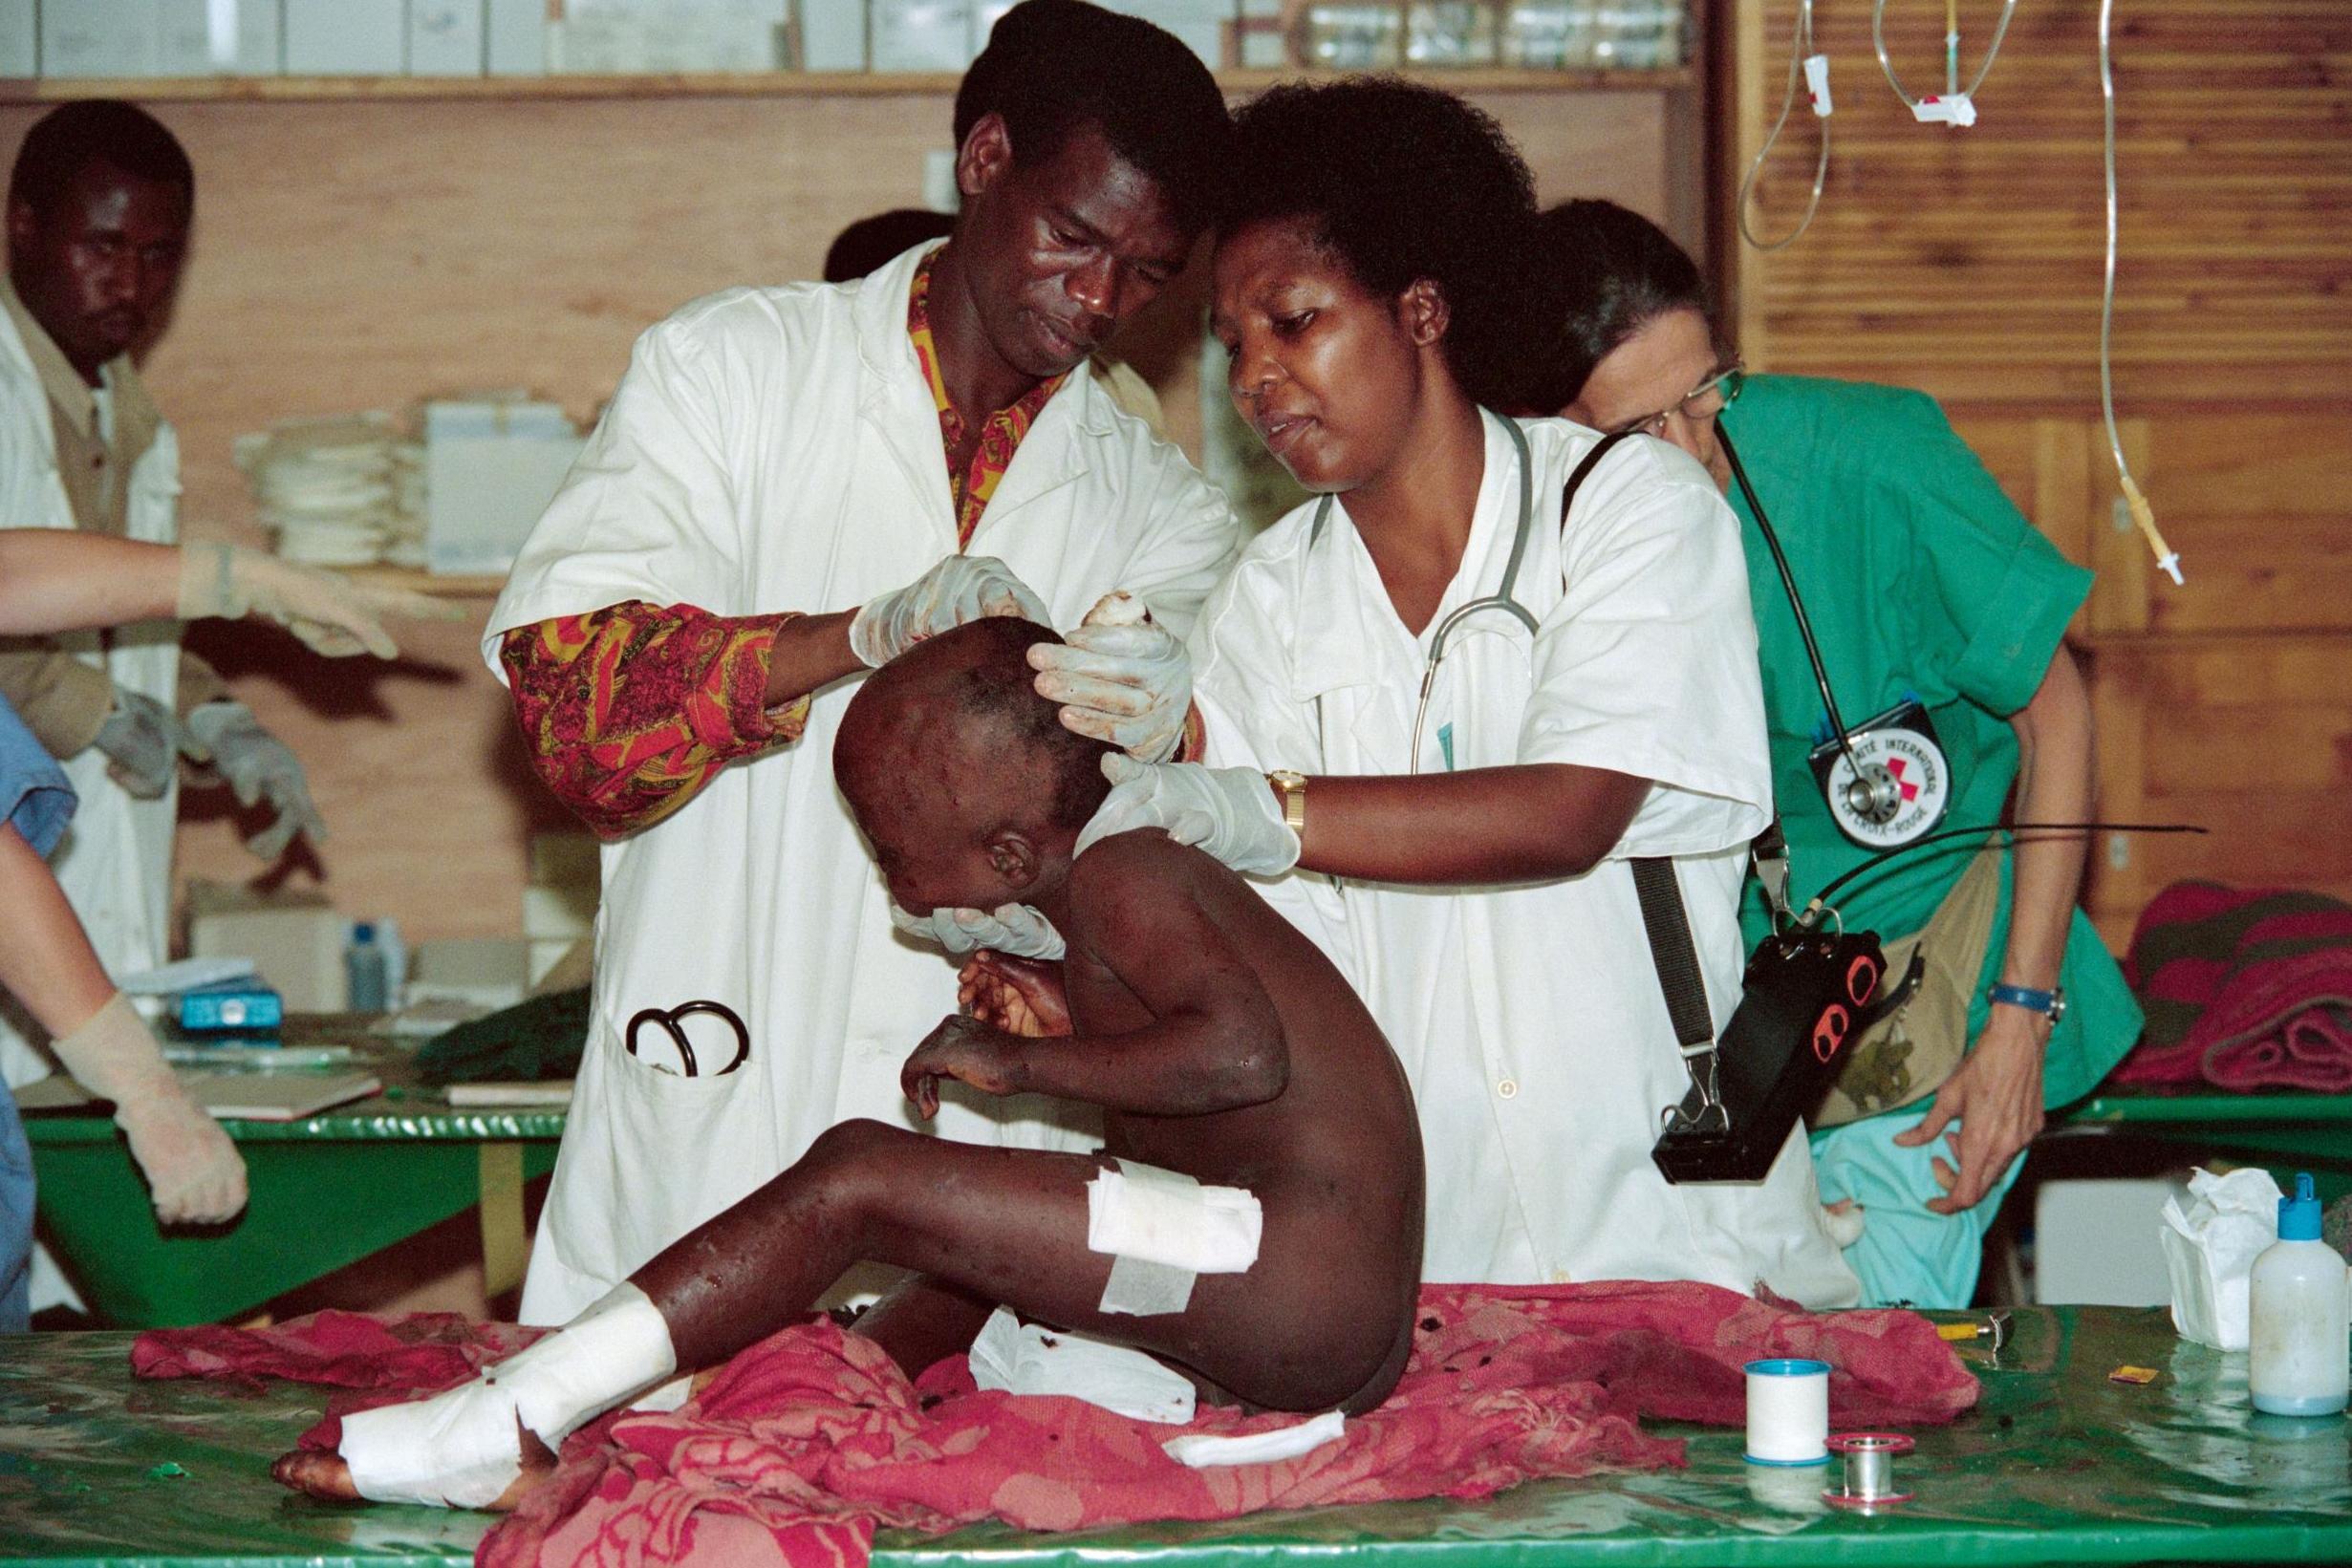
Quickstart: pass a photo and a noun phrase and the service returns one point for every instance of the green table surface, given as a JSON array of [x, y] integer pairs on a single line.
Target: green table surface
[[2057, 1465], [2211, 1107], [326, 1192]]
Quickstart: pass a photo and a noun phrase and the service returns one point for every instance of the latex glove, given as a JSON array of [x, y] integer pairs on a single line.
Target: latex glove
[[259, 767], [144, 741], [960, 588], [1121, 677], [1009, 928], [193, 1171], [1226, 813], [329, 613]]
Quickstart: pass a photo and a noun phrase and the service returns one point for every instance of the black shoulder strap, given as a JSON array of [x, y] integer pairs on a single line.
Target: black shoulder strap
[[1585, 466], [1664, 920]]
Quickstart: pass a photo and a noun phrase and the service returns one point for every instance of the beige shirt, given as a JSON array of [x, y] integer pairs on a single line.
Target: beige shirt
[[101, 432]]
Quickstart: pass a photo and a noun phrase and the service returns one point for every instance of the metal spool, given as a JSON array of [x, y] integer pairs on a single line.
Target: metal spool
[[1869, 1471]]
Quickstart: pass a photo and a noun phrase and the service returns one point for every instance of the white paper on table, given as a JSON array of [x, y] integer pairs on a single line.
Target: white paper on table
[[1202, 1450], [2209, 1251], [1030, 1359]]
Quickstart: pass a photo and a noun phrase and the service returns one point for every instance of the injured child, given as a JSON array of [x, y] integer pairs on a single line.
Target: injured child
[[1253, 1217]]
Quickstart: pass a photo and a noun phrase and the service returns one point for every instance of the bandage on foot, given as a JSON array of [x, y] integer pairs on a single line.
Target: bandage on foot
[[460, 1447], [327, 1475]]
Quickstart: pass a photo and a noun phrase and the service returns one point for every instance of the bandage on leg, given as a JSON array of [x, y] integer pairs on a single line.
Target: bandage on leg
[[1162, 1229], [462, 1448]]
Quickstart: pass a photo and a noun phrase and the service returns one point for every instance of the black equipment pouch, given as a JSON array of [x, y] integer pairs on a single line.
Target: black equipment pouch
[[1808, 993]]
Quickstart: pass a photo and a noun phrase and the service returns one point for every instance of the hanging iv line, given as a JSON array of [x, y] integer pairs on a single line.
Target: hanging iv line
[[1954, 107], [2167, 559], [1815, 68]]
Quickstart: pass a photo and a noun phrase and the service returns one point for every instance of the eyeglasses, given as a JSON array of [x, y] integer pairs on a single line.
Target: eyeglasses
[[1703, 402]]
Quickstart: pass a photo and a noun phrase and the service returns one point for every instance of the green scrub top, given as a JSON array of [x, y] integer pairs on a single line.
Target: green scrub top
[[1921, 580]]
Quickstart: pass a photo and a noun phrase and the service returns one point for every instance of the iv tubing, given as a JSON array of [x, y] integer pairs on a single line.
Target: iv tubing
[[1801, 42], [2167, 559], [1952, 46]]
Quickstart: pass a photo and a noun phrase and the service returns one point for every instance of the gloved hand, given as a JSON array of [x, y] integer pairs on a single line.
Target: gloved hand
[[193, 1171], [144, 741], [329, 613], [960, 588], [259, 767], [1227, 812], [1009, 928], [1121, 679]]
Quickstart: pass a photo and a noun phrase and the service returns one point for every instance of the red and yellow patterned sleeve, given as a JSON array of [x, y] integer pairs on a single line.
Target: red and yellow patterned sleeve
[[630, 710]]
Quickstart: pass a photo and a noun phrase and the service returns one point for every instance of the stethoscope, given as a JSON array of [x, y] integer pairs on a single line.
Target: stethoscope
[[1503, 598], [1871, 791]]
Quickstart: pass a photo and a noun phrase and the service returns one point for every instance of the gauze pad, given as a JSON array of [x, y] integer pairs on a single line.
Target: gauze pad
[[1164, 1228]]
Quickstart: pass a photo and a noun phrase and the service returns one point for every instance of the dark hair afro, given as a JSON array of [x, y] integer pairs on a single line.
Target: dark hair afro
[[870, 242], [1400, 183], [1052, 66], [120, 136], [1615, 272]]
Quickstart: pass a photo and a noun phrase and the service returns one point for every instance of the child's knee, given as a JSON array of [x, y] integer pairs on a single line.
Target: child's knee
[[849, 1161]]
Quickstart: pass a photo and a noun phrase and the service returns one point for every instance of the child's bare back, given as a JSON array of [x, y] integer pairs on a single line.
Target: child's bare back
[[1275, 1080]]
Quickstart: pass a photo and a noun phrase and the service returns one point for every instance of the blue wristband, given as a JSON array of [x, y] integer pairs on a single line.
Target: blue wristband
[[2050, 1004]]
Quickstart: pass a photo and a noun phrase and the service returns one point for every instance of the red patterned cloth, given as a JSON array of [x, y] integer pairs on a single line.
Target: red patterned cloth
[[2243, 988], [970, 487], [810, 1441], [631, 709]]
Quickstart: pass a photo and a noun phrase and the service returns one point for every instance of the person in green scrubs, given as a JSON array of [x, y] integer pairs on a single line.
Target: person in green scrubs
[[1922, 582]]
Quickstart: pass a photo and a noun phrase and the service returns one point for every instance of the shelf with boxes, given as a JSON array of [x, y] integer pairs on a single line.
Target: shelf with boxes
[[198, 49], [732, 84]]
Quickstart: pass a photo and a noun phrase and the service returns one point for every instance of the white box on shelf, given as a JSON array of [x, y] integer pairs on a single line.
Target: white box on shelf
[[85, 38], [490, 467], [833, 34], [515, 37], [216, 39], [1265, 45], [346, 37], [444, 37], [668, 37], [20, 39], [2097, 1241], [920, 34]]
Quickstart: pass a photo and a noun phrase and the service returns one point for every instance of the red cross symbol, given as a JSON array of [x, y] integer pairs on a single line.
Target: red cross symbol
[[1910, 791]]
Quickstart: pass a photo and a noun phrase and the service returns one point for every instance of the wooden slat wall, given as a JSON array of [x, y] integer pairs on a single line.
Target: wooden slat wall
[[1968, 263], [365, 253]]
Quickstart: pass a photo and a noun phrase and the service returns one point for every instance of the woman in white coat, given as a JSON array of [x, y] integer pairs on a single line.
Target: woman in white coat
[[1471, 861]]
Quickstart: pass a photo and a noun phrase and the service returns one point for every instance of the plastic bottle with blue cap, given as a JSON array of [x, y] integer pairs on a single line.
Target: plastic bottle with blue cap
[[2301, 1359]]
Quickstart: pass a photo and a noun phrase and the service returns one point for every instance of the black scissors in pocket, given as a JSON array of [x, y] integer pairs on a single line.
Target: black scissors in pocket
[[669, 1020]]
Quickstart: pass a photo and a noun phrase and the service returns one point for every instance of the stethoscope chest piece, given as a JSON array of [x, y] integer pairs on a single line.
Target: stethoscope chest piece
[[1892, 784], [671, 1021]]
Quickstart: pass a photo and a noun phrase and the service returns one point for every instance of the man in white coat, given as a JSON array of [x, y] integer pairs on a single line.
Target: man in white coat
[[98, 209], [791, 485]]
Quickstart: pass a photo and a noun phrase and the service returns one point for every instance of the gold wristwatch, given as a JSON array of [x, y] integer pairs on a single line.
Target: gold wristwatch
[[1291, 789]]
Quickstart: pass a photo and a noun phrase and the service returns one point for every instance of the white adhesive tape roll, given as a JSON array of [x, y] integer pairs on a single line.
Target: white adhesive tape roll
[[1788, 1412]]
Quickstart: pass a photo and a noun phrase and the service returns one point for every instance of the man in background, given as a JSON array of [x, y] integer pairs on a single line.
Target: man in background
[[99, 206]]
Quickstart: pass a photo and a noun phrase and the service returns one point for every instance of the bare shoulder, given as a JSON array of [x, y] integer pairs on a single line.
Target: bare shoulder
[[1144, 875]]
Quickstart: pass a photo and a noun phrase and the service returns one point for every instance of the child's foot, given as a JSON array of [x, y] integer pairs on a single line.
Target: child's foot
[[416, 1452]]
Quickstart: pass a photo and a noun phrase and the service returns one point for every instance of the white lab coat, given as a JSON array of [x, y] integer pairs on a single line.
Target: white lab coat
[[1529, 1018], [115, 862], [779, 449]]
